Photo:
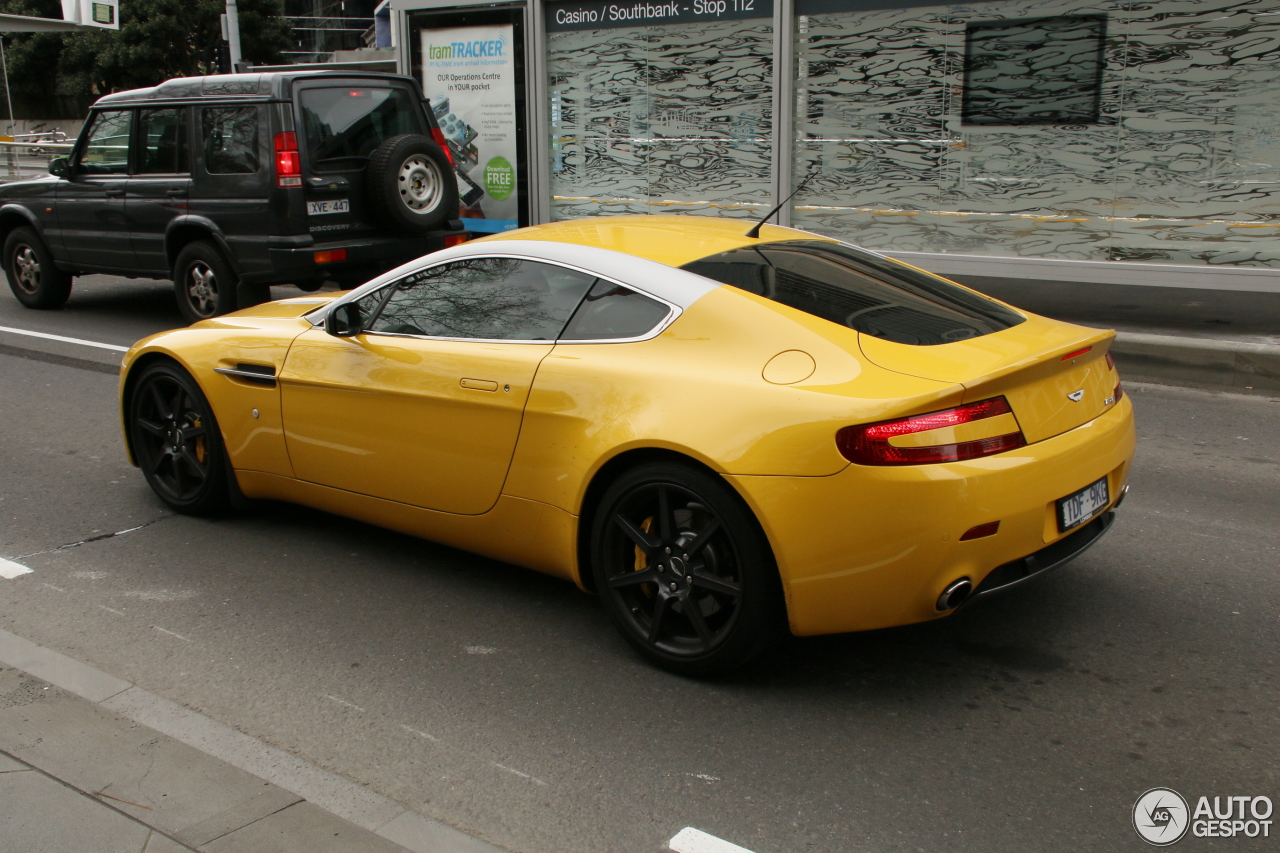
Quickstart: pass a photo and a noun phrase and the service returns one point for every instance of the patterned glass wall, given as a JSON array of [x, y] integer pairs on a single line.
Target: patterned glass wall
[[673, 118], [1183, 165]]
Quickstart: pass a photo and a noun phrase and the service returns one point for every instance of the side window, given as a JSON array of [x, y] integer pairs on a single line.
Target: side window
[[162, 136], [106, 152], [491, 298], [230, 140], [611, 311]]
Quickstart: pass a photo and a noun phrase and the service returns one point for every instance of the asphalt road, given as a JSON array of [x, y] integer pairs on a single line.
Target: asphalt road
[[500, 701]]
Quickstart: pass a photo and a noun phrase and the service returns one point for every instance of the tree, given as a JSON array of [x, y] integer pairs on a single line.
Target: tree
[[157, 40]]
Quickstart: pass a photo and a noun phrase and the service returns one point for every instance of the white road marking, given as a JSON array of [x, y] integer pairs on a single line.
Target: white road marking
[[412, 730], [65, 340], [690, 840], [343, 702], [533, 779], [9, 569], [111, 610], [704, 777], [171, 633]]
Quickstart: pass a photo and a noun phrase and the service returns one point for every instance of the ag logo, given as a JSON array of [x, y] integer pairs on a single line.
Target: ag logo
[[1161, 817]]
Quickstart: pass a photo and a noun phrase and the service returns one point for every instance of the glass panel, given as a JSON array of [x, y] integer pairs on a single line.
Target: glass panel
[[667, 118], [230, 140], [344, 125], [611, 311], [107, 150], [490, 298], [164, 142], [871, 294], [1038, 71]]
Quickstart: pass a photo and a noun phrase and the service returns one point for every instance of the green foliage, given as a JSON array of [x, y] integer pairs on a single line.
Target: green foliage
[[57, 75]]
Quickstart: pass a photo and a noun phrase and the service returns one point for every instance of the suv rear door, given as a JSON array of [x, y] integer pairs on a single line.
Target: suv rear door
[[160, 184], [340, 123]]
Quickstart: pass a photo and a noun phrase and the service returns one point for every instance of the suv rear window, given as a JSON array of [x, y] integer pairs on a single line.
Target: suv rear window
[[874, 295], [344, 124]]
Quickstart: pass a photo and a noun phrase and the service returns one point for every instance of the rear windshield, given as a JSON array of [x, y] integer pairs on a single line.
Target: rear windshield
[[344, 124], [871, 294]]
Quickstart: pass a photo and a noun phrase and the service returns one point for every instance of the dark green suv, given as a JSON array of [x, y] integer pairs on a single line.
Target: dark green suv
[[230, 184]]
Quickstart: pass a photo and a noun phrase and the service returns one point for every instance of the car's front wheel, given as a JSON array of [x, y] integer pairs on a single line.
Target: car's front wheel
[[33, 278], [684, 571], [204, 283], [176, 441]]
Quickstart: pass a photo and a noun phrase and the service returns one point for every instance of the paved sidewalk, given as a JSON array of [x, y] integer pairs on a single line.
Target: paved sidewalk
[[90, 763]]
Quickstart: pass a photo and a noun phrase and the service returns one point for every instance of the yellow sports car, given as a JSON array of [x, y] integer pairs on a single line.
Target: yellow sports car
[[720, 434]]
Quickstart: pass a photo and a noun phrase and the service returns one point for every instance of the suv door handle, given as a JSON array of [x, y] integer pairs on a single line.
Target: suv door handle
[[175, 193], [114, 193]]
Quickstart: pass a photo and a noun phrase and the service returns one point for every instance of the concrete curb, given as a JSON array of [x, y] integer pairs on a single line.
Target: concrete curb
[[1174, 360], [327, 791]]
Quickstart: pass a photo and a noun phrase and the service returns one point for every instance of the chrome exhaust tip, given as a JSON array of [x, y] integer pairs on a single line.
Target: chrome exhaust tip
[[955, 595]]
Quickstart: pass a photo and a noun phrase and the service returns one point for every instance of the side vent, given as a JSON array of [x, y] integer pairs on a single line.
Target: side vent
[[254, 374]]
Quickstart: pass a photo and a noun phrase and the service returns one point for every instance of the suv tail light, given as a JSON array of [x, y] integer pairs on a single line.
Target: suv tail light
[[288, 161], [868, 444], [438, 135]]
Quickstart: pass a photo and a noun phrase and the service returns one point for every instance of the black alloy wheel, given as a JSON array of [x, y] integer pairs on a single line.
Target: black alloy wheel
[[176, 441], [204, 283], [33, 277], [684, 570]]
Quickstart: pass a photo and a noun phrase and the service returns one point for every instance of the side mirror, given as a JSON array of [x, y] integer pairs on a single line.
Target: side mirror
[[60, 166], [344, 321]]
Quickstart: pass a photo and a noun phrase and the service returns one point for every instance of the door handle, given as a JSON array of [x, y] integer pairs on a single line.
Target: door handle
[[175, 193], [114, 193], [480, 384]]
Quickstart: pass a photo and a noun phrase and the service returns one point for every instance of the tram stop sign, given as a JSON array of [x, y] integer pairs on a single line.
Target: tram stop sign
[[92, 13]]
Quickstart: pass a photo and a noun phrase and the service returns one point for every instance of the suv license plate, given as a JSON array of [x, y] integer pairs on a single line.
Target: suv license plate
[[1075, 509], [338, 205]]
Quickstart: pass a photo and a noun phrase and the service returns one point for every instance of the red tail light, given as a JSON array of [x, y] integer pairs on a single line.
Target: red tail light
[[1119, 392], [868, 444], [438, 135], [288, 161], [1077, 353], [1111, 361]]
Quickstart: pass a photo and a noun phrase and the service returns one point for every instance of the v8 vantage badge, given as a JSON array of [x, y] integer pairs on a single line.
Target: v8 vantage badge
[[1160, 816]]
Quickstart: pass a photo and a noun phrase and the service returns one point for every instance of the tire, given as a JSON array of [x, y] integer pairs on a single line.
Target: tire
[[710, 550], [33, 278], [410, 184], [203, 282], [177, 443]]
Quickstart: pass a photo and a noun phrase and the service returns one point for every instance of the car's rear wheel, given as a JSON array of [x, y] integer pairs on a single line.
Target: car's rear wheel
[[33, 278], [684, 570], [176, 441], [411, 184], [204, 283]]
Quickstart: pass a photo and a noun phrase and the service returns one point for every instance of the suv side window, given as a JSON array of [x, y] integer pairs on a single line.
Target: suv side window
[[486, 298], [106, 151], [230, 140], [162, 135]]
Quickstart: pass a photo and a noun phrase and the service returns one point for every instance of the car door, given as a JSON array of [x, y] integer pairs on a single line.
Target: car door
[[91, 201], [424, 406], [161, 182]]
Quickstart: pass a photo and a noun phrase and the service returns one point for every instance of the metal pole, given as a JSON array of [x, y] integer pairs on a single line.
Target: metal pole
[[10, 158], [233, 34]]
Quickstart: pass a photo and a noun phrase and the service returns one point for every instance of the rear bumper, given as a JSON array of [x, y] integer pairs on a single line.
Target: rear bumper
[[366, 257], [874, 547]]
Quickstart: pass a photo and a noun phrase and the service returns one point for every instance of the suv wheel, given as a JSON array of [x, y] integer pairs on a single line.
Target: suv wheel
[[411, 183], [32, 275], [203, 282]]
